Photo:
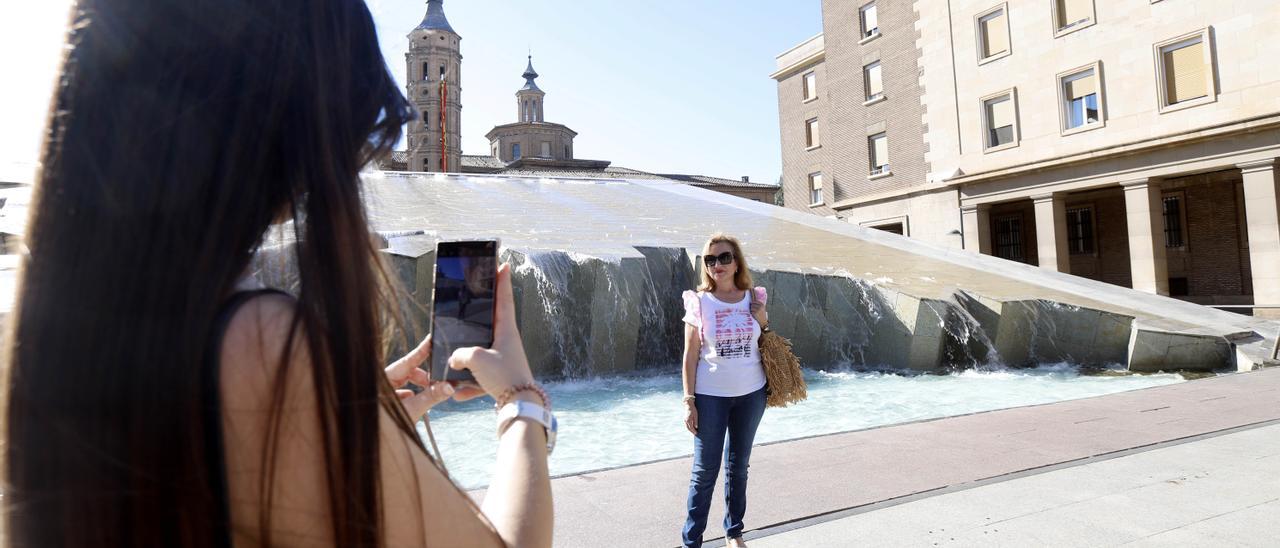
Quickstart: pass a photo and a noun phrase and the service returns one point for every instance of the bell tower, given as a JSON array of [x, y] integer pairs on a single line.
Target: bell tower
[[434, 75], [529, 98]]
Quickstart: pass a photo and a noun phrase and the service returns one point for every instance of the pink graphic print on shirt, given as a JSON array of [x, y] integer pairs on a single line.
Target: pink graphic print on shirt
[[733, 331]]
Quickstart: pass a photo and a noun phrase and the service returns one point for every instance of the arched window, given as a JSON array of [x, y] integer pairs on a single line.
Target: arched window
[[426, 72]]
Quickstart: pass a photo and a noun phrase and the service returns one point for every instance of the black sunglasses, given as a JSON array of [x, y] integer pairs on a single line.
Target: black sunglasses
[[724, 258]]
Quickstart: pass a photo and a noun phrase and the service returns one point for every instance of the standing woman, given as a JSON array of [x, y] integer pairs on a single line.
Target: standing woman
[[149, 399], [723, 383]]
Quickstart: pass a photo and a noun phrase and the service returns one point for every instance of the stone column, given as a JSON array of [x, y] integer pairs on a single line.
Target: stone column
[[1144, 211], [1262, 213], [976, 223], [1051, 232]]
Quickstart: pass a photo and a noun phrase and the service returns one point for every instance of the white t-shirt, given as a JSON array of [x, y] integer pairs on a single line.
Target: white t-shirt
[[730, 362]]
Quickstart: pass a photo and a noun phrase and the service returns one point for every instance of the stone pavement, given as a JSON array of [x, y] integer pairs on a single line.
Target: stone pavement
[[830, 475], [1218, 490]]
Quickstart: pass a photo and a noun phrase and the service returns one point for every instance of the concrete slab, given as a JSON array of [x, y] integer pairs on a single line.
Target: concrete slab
[[1217, 491]]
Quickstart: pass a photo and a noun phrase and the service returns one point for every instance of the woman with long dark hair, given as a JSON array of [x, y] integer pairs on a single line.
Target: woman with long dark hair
[[724, 383], [149, 400]]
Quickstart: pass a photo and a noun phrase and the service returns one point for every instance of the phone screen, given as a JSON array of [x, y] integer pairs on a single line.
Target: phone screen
[[463, 302]]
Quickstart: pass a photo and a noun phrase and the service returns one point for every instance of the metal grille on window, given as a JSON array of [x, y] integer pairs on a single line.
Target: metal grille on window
[[1009, 237], [1173, 222], [1080, 230]]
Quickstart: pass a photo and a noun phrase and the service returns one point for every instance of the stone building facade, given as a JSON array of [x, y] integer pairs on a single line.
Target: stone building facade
[[434, 75], [1133, 142]]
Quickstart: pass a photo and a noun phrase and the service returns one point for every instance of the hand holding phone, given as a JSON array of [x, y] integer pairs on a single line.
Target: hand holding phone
[[462, 308]]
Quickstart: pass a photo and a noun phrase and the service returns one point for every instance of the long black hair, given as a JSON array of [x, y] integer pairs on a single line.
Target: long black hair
[[179, 131]]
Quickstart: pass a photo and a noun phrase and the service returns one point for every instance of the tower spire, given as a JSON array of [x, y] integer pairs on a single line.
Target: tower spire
[[529, 75], [435, 19]]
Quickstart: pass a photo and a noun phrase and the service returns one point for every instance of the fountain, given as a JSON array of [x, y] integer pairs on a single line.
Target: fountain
[[599, 266]]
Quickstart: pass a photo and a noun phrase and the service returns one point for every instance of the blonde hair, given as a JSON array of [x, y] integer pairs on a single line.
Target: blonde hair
[[741, 278]]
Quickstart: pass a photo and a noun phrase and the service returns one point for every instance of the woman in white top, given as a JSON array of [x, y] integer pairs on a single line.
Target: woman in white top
[[723, 383]]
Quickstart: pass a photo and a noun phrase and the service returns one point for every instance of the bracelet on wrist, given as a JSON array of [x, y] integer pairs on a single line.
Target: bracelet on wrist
[[505, 397], [689, 398]]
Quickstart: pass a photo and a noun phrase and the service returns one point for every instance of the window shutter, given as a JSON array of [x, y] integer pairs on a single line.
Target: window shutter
[[1081, 87], [1001, 113], [1184, 73], [875, 85], [810, 85], [881, 148], [995, 36], [816, 179], [814, 139], [869, 19], [1070, 11]]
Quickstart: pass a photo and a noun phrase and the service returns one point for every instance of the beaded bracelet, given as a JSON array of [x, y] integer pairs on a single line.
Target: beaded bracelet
[[506, 395]]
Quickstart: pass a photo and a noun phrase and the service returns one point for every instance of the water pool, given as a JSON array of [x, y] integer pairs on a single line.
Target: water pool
[[607, 423]]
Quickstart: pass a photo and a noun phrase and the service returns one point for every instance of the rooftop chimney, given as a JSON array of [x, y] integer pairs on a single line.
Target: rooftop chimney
[[746, 178]]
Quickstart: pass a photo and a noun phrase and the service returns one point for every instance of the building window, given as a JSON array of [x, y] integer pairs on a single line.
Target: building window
[[874, 84], [870, 21], [811, 137], [878, 146], [993, 35], [1080, 238], [815, 188], [1009, 237], [515, 151], [1000, 116], [567, 153], [1071, 15], [895, 228], [546, 149], [1186, 71], [810, 85], [426, 164], [1173, 221], [426, 73], [1081, 92]]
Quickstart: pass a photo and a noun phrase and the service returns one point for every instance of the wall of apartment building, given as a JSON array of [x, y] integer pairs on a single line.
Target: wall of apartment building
[[931, 216], [1121, 42], [849, 121], [1109, 261], [798, 161], [1214, 260]]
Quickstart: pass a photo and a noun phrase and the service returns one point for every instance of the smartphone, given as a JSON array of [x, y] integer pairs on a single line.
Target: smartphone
[[462, 304]]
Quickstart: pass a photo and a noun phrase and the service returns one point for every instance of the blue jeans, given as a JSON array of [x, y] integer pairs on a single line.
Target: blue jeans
[[738, 417]]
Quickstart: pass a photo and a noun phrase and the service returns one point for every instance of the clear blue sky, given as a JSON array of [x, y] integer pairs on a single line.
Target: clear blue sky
[[675, 87]]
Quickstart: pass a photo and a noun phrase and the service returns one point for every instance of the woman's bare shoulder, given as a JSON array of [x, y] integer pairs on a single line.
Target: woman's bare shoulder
[[254, 343]]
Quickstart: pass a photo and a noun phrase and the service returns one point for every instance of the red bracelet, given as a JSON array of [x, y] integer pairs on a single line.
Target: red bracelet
[[505, 397]]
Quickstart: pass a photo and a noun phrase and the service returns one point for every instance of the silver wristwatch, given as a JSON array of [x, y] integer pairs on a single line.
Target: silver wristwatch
[[521, 409]]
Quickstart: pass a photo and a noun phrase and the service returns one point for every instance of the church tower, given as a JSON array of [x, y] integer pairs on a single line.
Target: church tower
[[434, 75], [531, 138], [529, 98]]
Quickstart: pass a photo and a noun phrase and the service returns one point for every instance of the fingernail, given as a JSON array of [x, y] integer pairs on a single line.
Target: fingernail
[[448, 389]]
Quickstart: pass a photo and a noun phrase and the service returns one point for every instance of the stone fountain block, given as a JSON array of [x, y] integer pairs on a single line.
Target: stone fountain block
[[915, 336], [660, 343], [852, 309], [544, 306], [411, 261], [618, 290], [1152, 351], [1041, 331]]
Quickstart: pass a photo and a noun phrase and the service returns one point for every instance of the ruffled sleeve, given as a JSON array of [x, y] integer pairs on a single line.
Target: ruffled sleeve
[[692, 309], [762, 296]]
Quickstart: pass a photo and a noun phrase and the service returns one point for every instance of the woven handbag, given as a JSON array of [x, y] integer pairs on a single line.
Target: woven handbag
[[784, 381]]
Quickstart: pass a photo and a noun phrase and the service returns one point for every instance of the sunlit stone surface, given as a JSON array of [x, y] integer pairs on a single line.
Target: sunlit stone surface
[[600, 264]]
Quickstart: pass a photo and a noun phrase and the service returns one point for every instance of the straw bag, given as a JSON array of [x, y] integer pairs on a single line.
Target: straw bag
[[784, 381]]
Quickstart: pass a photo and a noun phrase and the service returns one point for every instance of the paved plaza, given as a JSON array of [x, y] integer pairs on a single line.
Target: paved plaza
[[1190, 464]]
